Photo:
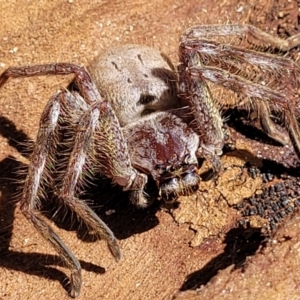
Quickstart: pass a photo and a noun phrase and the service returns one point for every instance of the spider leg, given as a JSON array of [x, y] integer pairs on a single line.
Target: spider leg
[[82, 147], [248, 32], [261, 68], [294, 131], [198, 48], [241, 85], [100, 139], [268, 125], [254, 90], [135, 181], [29, 201], [207, 119], [113, 156], [82, 78]]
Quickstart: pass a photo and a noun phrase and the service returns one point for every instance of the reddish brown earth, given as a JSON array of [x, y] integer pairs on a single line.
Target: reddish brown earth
[[163, 251]]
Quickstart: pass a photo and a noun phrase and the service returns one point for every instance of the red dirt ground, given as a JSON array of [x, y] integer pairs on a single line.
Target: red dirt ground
[[162, 251]]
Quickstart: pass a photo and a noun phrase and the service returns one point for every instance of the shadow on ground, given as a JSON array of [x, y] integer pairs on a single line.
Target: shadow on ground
[[111, 204], [240, 243]]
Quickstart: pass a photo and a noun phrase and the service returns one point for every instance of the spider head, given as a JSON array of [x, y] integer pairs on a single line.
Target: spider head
[[163, 146]]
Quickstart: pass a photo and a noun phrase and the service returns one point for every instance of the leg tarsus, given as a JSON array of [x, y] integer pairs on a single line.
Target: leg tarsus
[[137, 198], [91, 219], [268, 125], [214, 160], [136, 188], [65, 253], [75, 283], [293, 129]]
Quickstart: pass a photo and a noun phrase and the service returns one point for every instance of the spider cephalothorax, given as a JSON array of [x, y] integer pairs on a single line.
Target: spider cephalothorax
[[165, 148], [136, 116]]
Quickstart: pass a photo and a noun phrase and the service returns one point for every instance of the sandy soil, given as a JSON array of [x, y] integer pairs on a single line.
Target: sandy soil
[[163, 251]]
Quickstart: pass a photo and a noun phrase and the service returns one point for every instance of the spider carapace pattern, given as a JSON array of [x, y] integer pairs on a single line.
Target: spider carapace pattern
[[133, 115]]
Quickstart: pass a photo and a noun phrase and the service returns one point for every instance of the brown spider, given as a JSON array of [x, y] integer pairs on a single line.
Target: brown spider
[[126, 121]]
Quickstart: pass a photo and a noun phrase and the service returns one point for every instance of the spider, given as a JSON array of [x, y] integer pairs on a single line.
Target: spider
[[134, 115]]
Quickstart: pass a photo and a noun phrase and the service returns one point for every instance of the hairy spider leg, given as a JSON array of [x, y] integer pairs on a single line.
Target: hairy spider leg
[[196, 54], [245, 31], [96, 122], [29, 204], [41, 152], [254, 90], [257, 67], [112, 155]]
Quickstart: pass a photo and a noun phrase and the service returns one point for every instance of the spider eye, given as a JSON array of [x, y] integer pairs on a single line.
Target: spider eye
[[145, 99]]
